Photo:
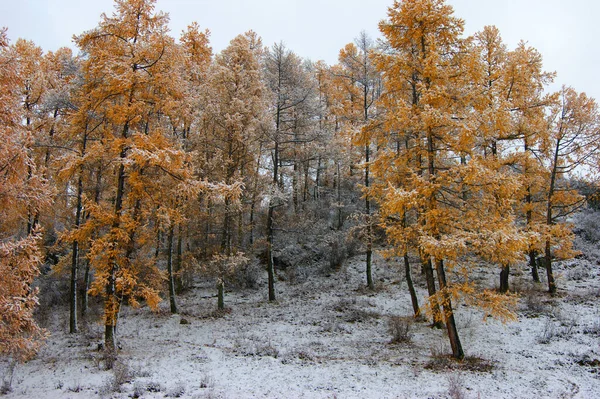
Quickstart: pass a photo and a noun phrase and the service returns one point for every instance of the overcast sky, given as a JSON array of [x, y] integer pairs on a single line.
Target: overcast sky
[[567, 33]]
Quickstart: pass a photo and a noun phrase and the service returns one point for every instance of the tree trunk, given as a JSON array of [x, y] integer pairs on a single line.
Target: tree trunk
[[172, 299], [73, 291], [84, 291], [220, 294], [112, 302], [549, 273], [431, 290], [178, 262], [533, 264], [340, 220], [504, 273], [457, 351], [75, 255], [370, 283], [411, 287], [270, 264], [110, 315]]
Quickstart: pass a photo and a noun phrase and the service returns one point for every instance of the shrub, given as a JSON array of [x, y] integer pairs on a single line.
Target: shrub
[[399, 327]]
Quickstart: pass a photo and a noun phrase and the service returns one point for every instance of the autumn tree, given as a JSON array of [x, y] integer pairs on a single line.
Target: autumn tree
[[454, 193], [23, 193], [289, 95], [129, 83], [574, 128]]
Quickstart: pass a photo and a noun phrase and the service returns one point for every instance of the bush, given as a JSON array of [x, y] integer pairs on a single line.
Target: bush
[[399, 327]]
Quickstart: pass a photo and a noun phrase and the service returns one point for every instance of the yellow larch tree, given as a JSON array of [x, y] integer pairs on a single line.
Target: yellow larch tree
[[458, 202], [129, 83], [23, 192]]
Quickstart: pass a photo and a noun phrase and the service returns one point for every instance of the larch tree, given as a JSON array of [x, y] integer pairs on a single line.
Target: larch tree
[[234, 119], [525, 82], [574, 130], [128, 65], [23, 192], [495, 119], [288, 94], [364, 84], [455, 195]]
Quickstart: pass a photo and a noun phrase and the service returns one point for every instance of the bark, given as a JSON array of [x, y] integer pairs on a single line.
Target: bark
[[533, 264], [549, 272], [112, 302], [172, 298], [73, 290], [340, 219], [84, 290], [270, 226], [75, 251], [270, 264], [370, 283], [550, 219], [220, 294], [411, 287], [457, 351], [504, 273], [178, 262], [528, 219], [431, 290]]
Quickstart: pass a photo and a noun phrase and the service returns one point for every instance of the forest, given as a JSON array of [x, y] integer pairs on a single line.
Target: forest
[[145, 165]]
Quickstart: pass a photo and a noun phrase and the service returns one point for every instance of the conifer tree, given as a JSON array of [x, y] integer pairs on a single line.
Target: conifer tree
[[454, 193], [129, 83], [364, 85], [23, 193]]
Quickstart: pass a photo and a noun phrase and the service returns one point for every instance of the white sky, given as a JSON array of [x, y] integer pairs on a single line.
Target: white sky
[[565, 32]]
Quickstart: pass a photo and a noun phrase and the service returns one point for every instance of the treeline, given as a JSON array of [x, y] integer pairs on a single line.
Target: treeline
[[144, 160]]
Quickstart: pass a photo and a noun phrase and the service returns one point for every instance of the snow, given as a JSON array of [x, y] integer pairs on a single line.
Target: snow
[[327, 337]]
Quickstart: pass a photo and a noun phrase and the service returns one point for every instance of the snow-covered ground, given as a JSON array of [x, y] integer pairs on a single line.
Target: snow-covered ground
[[328, 338]]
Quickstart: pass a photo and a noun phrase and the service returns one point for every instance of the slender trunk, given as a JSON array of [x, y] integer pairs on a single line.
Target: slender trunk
[[457, 351], [533, 264], [295, 185], [84, 290], [270, 226], [548, 264], [112, 302], [220, 294], [550, 219], [75, 258], [411, 287], [73, 292], [172, 300], [88, 275], [340, 219], [179, 261], [528, 220], [254, 195], [504, 273], [270, 264], [370, 283], [75, 246], [431, 290]]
